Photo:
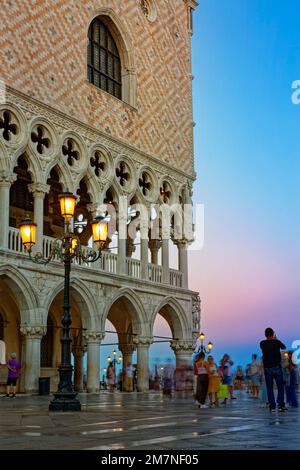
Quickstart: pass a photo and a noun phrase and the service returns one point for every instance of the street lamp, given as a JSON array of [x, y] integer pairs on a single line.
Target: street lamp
[[66, 249], [202, 347], [115, 361]]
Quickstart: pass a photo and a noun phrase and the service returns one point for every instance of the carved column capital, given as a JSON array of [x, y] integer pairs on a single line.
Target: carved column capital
[[154, 245], [183, 346], [93, 336], [142, 341], [7, 178], [33, 331], [39, 189]]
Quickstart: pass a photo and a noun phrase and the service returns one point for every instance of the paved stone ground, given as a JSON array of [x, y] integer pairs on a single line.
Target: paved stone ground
[[145, 421]]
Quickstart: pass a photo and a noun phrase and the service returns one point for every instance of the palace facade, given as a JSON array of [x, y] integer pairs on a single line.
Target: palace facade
[[96, 98]]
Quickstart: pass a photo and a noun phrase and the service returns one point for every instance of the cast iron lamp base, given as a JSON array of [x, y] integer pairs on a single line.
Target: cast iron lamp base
[[65, 402]]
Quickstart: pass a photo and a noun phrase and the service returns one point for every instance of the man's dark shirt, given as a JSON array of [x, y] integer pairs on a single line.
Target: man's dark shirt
[[271, 352]]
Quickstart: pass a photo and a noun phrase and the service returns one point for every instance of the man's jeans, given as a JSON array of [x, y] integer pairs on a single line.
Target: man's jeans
[[272, 373]]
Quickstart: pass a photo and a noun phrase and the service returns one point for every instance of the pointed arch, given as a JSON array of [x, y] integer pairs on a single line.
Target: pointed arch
[[85, 301], [135, 306], [25, 295], [176, 317]]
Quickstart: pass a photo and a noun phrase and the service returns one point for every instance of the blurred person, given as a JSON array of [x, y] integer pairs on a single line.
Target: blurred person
[[214, 382], [271, 347], [14, 369], [110, 374], [201, 371], [226, 366], [255, 375], [167, 380], [239, 378], [128, 377], [291, 367]]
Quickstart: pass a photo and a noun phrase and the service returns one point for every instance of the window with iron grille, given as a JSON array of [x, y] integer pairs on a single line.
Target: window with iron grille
[[104, 65]]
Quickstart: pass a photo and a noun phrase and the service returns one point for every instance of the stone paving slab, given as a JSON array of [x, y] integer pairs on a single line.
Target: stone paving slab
[[145, 422]]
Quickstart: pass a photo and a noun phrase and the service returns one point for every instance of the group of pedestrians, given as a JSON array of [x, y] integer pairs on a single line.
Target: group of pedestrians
[[213, 380], [217, 381]]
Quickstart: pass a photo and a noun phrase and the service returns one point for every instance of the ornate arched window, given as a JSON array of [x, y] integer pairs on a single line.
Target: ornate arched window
[[104, 64]]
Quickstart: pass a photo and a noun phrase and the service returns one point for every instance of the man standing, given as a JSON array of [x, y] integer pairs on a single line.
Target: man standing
[[272, 367], [14, 366]]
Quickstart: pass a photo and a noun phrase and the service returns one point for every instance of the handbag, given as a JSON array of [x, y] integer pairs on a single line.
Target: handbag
[[223, 391]]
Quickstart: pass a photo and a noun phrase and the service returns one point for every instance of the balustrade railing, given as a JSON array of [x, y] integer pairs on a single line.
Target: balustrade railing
[[175, 278], [133, 267], [107, 263], [14, 240], [155, 273]]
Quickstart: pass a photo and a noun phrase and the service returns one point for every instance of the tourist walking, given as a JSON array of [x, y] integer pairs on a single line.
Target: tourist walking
[[214, 382], [14, 369], [255, 376], [201, 371], [111, 376], [291, 369], [128, 378], [239, 378], [271, 347], [226, 367]]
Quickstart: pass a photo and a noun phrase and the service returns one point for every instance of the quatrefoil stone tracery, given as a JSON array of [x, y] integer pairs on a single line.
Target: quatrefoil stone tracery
[[122, 174], [165, 192], [97, 162], [69, 150], [145, 183], [39, 137], [8, 126]]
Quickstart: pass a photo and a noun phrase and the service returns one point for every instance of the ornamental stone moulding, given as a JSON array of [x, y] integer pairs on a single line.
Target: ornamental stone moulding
[[33, 331], [84, 137], [149, 9]]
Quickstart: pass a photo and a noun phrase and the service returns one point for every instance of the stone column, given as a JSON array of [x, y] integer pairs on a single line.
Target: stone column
[[127, 351], [183, 261], [78, 353], [183, 351], [93, 340], [165, 261], [142, 344], [33, 336], [39, 190], [154, 246], [144, 250], [6, 180], [122, 232]]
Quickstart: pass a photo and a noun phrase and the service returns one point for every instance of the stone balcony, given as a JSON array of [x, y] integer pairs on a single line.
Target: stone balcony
[[107, 264]]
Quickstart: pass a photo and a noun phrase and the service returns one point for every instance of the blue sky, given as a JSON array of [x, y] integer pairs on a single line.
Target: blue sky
[[246, 54]]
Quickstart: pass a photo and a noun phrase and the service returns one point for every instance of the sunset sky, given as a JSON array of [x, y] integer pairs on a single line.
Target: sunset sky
[[246, 54]]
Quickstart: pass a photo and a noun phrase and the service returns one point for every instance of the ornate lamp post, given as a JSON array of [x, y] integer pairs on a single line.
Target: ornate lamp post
[[202, 347], [67, 249]]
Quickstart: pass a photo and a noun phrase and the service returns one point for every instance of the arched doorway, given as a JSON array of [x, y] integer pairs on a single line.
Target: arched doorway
[[161, 355], [170, 326], [51, 358], [128, 319], [10, 325]]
